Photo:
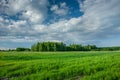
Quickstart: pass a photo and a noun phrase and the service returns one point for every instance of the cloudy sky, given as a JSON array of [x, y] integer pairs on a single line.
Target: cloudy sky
[[24, 22]]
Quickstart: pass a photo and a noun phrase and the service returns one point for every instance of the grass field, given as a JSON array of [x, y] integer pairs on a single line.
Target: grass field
[[60, 66]]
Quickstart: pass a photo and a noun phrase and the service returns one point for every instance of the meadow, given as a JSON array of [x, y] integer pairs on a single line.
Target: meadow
[[92, 65]]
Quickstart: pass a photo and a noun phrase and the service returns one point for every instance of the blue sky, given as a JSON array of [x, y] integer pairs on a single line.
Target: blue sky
[[25, 22]]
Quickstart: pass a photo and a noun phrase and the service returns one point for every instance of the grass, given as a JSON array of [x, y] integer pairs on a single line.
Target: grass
[[59, 65]]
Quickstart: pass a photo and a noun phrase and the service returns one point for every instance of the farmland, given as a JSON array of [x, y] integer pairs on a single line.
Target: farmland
[[92, 65]]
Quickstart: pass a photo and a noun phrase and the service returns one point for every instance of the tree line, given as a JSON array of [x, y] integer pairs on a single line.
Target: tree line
[[60, 46]]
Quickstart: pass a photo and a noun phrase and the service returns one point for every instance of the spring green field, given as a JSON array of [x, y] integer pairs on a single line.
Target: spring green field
[[60, 65]]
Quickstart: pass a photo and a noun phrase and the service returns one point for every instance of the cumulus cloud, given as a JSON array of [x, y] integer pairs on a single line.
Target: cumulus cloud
[[34, 11], [102, 16], [61, 9], [3, 6], [99, 21], [28, 12]]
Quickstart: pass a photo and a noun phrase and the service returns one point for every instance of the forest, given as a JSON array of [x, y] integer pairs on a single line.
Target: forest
[[60, 46]]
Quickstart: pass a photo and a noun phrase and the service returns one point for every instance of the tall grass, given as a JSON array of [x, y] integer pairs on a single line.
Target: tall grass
[[60, 65]]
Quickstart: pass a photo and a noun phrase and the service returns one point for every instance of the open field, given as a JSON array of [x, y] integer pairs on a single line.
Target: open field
[[59, 65]]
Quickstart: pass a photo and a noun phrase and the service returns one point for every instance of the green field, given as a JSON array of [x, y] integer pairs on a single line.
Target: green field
[[60, 65]]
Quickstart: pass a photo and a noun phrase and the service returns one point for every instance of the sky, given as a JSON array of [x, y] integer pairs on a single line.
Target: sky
[[25, 22]]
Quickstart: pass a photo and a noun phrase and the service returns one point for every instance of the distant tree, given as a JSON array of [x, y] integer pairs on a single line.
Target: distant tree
[[48, 46], [60, 46], [22, 49], [34, 47]]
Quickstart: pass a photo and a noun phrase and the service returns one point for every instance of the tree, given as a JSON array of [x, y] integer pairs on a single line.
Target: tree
[[22, 49], [60, 46]]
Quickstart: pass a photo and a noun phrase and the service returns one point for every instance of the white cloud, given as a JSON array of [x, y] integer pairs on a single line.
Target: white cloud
[[33, 16], [99, 21], [61, 9], [101, 16], [3, 6], [34, 11], [16, 25], [54, 7], [15, 6], [4, 48]]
